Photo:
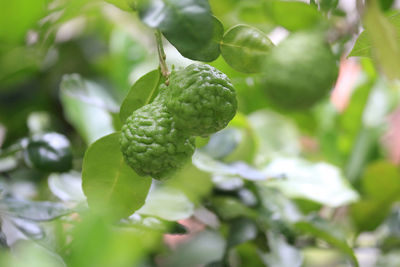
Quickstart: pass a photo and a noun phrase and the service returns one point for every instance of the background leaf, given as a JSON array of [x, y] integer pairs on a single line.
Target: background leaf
[[292, 15], [245, 48], [175, 205], [141, 93], [187, 25], [209, 52], [384, 38], [67, 186], [86, 106], [319, 182], [109, 184], [322, 229], [381, 188], [34, 211]]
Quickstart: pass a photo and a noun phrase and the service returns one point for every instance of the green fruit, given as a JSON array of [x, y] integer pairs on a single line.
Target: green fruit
[[201, 99], [300, 71], [152, 145]]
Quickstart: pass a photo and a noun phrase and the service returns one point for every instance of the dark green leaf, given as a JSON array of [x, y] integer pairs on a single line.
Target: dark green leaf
[[292, 15], [141, 93], [209, 52], [241, 231], [49, 152], [245, 48], [386, 4], [188, 25], [109, 184], [34, 211], [327, 5]]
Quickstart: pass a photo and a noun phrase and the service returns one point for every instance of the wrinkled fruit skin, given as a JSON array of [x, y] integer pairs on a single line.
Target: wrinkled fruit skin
[[201, 99], [300, 71], [151, 144]]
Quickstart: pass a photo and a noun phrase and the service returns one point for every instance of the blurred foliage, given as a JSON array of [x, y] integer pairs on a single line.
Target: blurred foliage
[[275, 188]]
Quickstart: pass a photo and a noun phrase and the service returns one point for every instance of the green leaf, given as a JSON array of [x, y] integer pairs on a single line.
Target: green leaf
[[381, 188], [197, 187], [142, 92], [150, 223], [204, 247], [384, 39], [251, 12], [222, 143], [292, 15], [167, 203], [66, 186], [276, 136], [209, 52], [49, 152], [380, 39], [241, 231], [382, 181], [320, 182], [188, 25], [245, 48], [386, 4], [18, 17], [96, 242], [327, 232], [31, 229], [327, 5], [281, 253], [126, 5], [34, 211], [30, 253], [87, 107], [109, 184], [230, 208]]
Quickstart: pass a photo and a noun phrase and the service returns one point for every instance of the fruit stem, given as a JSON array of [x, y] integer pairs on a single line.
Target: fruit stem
[[161, 54]]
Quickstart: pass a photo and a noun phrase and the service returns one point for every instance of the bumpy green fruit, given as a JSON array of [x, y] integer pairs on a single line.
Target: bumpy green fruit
[[300, 71], [201, 99], [152, 145]]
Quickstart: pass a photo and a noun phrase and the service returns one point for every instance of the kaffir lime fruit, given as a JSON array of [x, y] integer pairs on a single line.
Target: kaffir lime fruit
[[300, 71], [152, 145], [201, 99]]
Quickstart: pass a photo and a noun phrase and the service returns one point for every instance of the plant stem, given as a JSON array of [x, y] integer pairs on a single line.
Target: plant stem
[[161, 55]]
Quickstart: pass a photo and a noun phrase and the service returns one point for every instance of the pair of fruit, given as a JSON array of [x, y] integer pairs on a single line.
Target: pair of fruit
[[299, 71], [159, 137]]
